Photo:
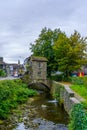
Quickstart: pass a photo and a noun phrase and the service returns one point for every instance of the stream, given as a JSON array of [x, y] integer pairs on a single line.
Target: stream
[[39, 113]]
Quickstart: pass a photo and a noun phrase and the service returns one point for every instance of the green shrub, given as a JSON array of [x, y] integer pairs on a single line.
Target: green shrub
[[56, 96], [12, 92], [78, 118], [85, 80], [77, 80], [2, 73], [56, 77]]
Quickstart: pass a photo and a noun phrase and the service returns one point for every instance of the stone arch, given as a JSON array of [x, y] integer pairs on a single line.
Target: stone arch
[[39, 86]]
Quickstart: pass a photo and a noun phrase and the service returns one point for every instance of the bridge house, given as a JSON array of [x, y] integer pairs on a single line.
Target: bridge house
[[37, 68]]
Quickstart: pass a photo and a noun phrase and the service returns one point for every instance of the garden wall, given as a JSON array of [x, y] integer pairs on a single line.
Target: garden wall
[[66, 95]]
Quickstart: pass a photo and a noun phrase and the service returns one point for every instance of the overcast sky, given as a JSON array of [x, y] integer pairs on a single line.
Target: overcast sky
[[22, 20]]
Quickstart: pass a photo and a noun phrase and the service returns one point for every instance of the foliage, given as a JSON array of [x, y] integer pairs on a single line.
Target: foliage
[[79, 80], [64, 53], [78, 118], [85, 80], [57, 77], [56, 96], [12, 92], [44, 47], [2, 73], [80, 87], [70, 52], [76, 80]]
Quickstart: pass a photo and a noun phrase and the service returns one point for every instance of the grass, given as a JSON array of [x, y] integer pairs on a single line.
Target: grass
[[78, 115], [82, 91]]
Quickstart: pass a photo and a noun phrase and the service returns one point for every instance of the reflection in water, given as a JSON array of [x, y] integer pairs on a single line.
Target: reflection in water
[[43, 113], [49, 109]]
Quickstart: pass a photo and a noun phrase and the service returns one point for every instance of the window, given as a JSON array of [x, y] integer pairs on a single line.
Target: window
[[39, 73], [39, 64]]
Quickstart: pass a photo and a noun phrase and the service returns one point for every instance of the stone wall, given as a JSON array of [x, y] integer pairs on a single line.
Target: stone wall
[[66, 95], [39, 70]]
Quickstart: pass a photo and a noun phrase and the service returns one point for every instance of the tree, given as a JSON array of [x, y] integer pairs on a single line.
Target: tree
[[44, 47], [70, 52], [65, 54]]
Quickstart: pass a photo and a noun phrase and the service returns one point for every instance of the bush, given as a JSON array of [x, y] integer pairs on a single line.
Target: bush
[[12, 92], [78, 118], [85, 80], [2, 73], [57, 77], [77, 80]]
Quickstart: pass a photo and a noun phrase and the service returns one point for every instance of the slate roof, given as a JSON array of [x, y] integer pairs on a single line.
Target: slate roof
[[2, 63], [38, 58]]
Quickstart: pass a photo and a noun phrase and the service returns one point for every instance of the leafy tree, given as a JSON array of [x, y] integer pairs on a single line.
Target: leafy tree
[[64, 53], [44, 47], [70, 52]]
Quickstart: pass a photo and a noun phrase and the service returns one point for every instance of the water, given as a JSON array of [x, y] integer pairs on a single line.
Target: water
[[39, 113], [49, 109]]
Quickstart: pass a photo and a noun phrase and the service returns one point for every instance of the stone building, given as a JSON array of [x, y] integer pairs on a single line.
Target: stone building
[[2, 64], [12, 69], [37, 68]]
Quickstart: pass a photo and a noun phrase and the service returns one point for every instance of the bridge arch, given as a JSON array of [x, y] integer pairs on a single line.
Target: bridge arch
[[37, 71], [40, 86]]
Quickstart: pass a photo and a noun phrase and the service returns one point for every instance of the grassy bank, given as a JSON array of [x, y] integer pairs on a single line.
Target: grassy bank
[[80, 87], [12, 93]]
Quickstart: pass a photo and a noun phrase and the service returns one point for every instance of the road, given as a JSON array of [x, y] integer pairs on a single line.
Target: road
[[8, 78]]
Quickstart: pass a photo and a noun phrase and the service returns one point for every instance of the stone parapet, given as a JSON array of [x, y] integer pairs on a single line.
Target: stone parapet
[[72, 102], [67, 96]]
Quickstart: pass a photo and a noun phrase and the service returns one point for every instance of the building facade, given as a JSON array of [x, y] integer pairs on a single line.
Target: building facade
[[2, 64], [37, 68]]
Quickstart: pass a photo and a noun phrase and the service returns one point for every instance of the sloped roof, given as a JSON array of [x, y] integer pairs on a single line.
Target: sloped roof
[[2, 63], [38, 58], [13, 64]]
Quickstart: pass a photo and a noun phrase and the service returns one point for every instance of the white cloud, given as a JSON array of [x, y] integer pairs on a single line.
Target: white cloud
[[22, 20]]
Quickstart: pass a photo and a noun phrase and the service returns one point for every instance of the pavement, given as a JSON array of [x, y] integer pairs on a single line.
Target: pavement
[[8, 78]]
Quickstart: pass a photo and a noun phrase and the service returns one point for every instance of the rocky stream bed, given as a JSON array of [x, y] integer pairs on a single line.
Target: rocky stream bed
[[39, 113]]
